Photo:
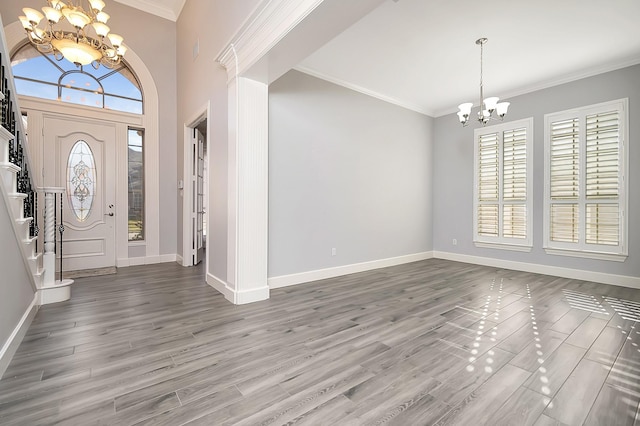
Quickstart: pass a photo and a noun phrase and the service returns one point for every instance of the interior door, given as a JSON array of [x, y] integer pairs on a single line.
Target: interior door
[[80, 156], [199, 198]]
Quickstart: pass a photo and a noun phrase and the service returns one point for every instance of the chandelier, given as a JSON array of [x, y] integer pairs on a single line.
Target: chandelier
[[491, 104], [82, 39]]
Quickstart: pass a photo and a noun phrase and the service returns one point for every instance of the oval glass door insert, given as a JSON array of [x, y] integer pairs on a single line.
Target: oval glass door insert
[[81, 180]]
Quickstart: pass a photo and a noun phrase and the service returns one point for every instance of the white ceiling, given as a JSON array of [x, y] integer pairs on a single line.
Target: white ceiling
[[421, 54], [168, 9]]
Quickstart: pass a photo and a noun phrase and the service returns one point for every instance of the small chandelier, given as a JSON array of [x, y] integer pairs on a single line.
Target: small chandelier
[[75, 42], [490, 104]]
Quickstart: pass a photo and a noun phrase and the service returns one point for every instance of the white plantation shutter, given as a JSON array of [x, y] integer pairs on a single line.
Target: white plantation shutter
[[602, 178], [514, 221], [488, 219], [565, 160], [603, 155], [565, 180], [585, 200], [514, 183], [488, 181], [564, 222], [514, 166], [488, 167], [602, 224], [502, 201]]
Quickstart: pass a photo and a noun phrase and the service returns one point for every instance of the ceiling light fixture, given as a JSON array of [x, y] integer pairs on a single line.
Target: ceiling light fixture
[[72, 40], [490, 104]]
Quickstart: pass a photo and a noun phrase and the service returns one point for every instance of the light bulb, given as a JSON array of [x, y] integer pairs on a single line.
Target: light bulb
[[33, 15], [490, 103], [101, 29], [52, 14], [501, 108], [102, 17], [96, 5], [76, 17], [465, 108], [25, 22], [115, 39]]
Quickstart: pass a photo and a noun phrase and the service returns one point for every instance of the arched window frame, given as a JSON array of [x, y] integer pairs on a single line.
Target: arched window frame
[[89, 73]]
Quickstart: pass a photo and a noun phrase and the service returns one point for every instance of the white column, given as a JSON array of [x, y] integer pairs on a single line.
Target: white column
[[248, 189], [49, 222], [52, 291], [49, 256]]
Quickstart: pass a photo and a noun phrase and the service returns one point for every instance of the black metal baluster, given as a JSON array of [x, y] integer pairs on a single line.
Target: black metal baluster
[[61, 228]]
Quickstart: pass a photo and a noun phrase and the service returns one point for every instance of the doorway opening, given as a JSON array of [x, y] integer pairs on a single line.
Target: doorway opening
[[195, 191]]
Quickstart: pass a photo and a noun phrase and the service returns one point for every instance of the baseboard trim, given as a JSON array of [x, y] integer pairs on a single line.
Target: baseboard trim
[[321, 274], [253, 295], [237, 297], [146, 260], [558, 271], [179, 260], [11, 345], [222, 287]]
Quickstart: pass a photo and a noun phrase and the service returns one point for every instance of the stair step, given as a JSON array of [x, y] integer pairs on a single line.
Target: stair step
[[16, 199], [23, 225], [9, 173], [30, 246], [35, 264], [38, 277]]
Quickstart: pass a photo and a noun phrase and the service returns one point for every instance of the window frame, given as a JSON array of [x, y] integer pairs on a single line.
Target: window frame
[[142, 240], [500, 241], [582, 248], [107, 96]]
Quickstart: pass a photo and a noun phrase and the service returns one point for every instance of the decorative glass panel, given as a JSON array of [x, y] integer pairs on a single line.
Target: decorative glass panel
[[81, 180], [136, 184]]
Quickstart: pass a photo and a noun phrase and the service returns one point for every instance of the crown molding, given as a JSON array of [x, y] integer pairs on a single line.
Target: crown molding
[[268, 24], [567, 78], [170, 13], [365, 91]]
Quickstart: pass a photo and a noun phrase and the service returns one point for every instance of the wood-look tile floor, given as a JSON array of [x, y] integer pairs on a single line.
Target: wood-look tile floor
[[431, 342]]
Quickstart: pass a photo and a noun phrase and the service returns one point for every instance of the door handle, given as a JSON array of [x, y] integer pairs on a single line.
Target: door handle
[[109, 214]]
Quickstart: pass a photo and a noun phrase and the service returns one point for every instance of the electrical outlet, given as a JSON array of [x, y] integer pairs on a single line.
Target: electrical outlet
[[333, 251], [455, 242]]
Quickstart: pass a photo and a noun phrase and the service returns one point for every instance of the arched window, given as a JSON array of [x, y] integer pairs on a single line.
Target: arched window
[[42, 76]]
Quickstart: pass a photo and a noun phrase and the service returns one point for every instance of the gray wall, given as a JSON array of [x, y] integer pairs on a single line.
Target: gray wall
[[16, 292], [453, 171], [345, 171]]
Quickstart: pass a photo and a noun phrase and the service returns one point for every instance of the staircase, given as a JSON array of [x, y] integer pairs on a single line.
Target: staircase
[[19, 193], [17, 187]]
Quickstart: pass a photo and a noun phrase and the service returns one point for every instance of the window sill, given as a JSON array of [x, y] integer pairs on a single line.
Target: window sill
[[503, 246], [597, 255], [133, 243]]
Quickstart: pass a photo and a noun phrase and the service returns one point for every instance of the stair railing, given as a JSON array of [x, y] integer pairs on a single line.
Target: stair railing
[[11, 121]]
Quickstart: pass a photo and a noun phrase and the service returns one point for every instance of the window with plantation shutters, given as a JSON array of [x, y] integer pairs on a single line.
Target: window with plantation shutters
[[585, 191], [502, 198]]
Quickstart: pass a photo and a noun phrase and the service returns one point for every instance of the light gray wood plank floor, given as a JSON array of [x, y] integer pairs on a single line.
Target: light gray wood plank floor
[[431, 342]]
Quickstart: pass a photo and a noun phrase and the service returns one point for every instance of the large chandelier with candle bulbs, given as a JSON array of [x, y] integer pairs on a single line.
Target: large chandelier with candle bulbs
[[73, 32], [487, 105]]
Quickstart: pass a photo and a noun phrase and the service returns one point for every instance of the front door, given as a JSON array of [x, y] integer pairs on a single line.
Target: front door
[[80, 156]]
